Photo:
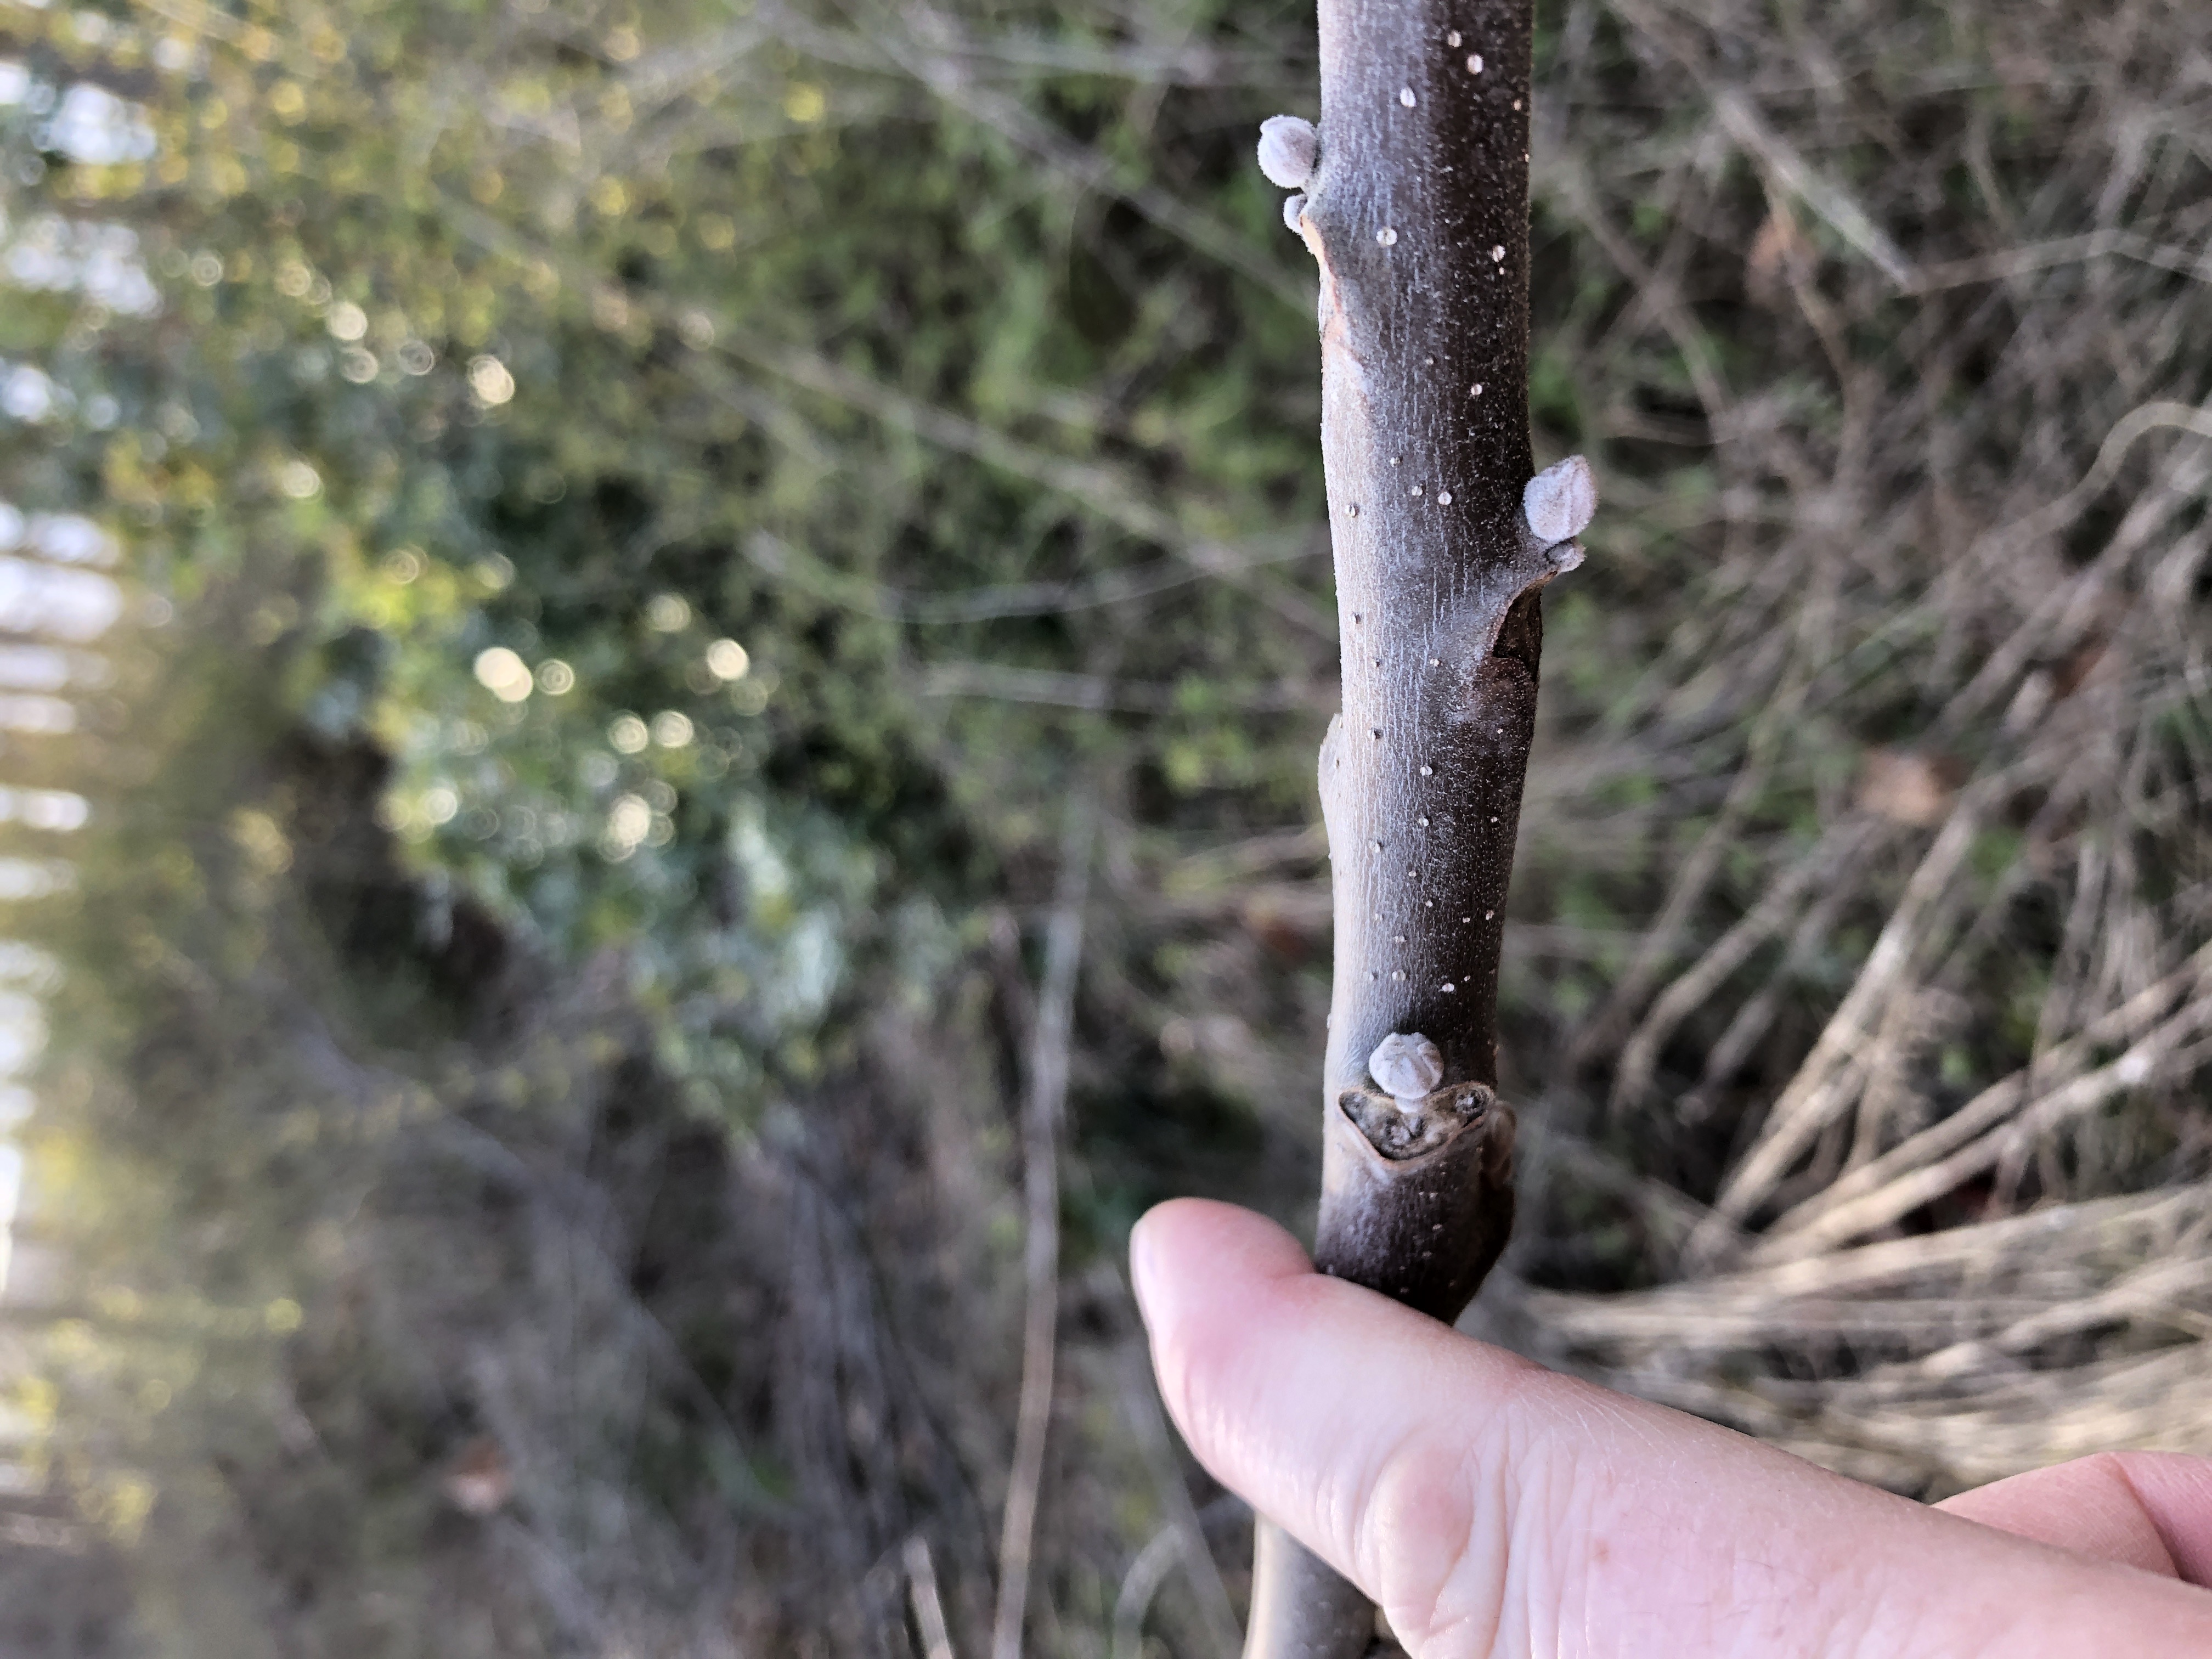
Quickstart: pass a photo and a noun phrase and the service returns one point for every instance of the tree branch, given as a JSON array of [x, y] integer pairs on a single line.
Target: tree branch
[[1415, 205]]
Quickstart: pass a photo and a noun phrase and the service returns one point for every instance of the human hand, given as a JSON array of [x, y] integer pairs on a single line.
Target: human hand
[[1491, 1507]]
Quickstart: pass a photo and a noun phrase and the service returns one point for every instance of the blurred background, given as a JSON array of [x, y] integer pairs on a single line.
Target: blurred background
[[660, 676]]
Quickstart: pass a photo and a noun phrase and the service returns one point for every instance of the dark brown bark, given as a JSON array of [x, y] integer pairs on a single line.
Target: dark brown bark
[[1417, 214]]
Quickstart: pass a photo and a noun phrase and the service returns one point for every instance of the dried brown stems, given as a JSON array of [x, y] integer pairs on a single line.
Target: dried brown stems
[[1904, 1067]]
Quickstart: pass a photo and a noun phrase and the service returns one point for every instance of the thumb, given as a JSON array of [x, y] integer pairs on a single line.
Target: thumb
[[1491, 1506]]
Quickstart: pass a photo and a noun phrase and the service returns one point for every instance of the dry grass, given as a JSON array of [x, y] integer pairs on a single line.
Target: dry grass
[[1906, 1057]]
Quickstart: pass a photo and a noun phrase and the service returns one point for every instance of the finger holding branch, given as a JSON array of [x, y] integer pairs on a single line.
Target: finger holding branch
[[1491, 1507]]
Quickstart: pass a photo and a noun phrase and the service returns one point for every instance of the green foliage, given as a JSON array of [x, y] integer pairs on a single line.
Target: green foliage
[[538, 340]]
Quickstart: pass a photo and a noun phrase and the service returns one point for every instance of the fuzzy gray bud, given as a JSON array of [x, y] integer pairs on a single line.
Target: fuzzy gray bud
[[1405, 1067], [1293, 207], [1561, 501], [1290, 149]]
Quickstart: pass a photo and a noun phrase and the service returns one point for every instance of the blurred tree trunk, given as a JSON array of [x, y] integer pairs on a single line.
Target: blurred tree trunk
[[1415, 206]]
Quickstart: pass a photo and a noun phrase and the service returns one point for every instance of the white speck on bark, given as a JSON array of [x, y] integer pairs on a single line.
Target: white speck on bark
[[1387, 236], [1474, 63], [1406, 96]]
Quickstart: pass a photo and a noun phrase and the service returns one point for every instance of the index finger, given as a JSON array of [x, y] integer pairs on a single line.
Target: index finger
[[1489, 1506]]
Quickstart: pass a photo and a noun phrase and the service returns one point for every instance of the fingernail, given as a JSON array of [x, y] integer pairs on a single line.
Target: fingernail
[[1144, 1267]]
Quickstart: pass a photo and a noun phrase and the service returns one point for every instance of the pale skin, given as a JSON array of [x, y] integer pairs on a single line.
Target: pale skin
[[1494, 1507]]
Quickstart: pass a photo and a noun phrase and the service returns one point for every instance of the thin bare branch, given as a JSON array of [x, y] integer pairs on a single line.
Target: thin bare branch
[[1046, 1102]]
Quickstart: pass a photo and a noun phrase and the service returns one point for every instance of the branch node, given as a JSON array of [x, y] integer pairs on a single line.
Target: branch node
[[1402, 1127]]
